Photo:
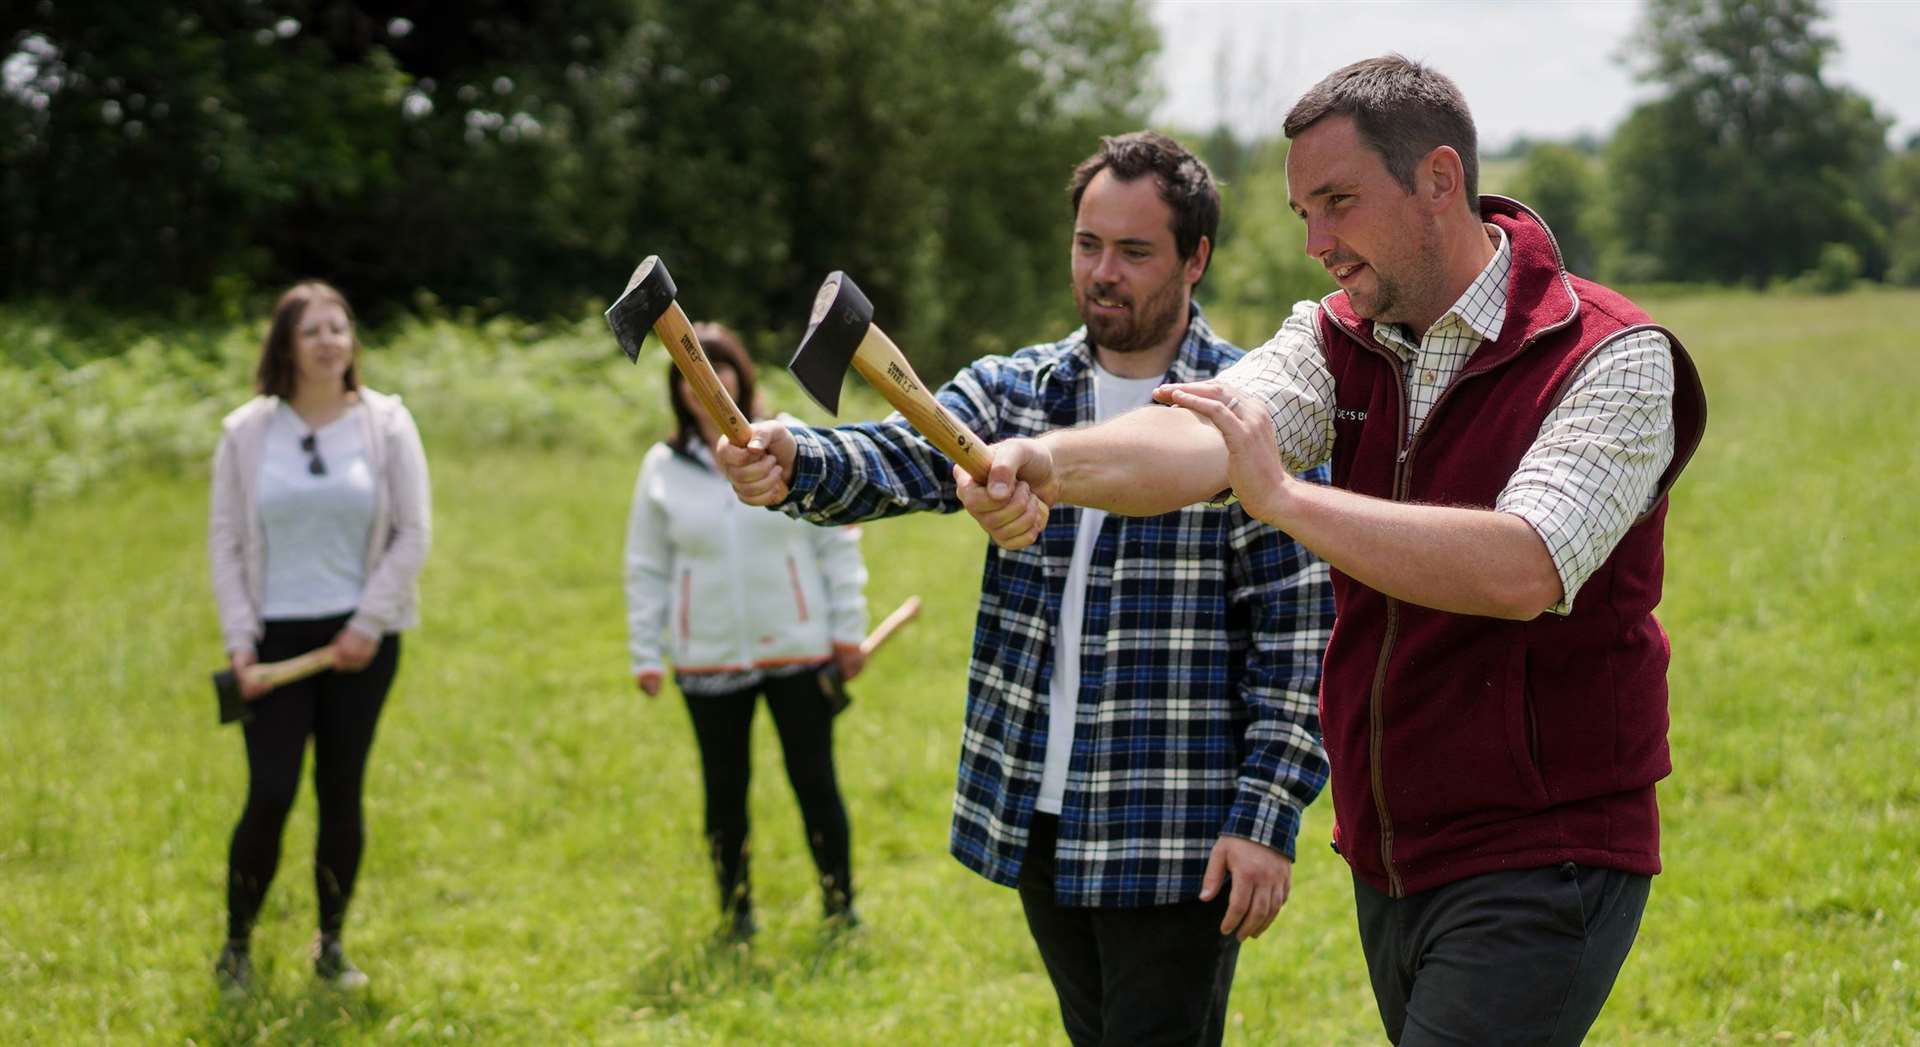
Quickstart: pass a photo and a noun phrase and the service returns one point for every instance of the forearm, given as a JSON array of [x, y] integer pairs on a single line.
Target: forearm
[[1146, 462], [1466, 561], [856, 473]]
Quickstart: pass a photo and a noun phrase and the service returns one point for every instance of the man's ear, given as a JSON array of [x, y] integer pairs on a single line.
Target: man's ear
[[1197, 262], [1442, 180]]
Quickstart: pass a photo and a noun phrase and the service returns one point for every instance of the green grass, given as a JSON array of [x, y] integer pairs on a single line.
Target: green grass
[[534, 871]]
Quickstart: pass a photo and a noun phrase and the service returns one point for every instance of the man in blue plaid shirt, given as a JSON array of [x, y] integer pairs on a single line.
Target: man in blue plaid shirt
[[1141, 726]]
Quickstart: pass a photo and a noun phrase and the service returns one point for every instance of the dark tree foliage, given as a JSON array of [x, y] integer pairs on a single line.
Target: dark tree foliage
[[1751, 162], [519, 156]]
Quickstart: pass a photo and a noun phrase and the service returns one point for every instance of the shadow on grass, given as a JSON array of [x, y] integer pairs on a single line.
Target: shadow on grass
[[312, 1013], [685, 977]]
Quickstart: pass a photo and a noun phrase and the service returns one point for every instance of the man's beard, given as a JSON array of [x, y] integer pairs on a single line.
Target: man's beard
[[1146, 324], [1417, 276]]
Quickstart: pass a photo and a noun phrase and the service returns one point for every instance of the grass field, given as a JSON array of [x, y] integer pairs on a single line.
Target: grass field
[[535, 873]]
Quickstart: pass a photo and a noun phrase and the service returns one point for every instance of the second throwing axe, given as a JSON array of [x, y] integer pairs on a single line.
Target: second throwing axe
[[648, 304], [842, 332]]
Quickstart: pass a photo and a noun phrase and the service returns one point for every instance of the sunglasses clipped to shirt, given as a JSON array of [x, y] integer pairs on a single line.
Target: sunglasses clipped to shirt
[[311, 445]]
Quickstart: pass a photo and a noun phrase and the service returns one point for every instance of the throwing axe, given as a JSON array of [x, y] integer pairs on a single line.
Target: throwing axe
[[648, 304], [226, 685], [842, 332], [833, 685]]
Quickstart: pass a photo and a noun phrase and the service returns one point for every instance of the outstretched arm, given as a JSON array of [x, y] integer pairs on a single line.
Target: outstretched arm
[[1467, 561]]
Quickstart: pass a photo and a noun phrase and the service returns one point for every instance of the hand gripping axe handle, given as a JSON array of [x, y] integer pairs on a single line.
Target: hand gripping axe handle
[[226, 685], [649, 303], [842, 332], [833, 685]]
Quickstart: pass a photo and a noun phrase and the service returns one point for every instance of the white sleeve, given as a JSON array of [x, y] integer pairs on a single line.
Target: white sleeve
[[227, 550], [838, 551], [392, 584], [1290, 374], [649, 570], [1595, 466]]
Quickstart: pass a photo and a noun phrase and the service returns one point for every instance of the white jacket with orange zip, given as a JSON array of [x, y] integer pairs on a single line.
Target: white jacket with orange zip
[[729, 586]]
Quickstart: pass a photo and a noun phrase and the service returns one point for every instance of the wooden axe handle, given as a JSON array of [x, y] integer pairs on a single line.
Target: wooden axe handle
[[677, 334], [906, 612], [276, 674], [882, 363]]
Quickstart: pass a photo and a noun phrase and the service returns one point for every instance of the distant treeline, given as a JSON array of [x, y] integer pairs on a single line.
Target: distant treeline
[[1748, 168], [522, 157], [508, 156]]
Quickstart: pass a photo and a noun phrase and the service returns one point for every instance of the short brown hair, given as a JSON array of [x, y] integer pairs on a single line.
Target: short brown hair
[[1403, 111], [1186, 186], [724, 349], [277, 373]]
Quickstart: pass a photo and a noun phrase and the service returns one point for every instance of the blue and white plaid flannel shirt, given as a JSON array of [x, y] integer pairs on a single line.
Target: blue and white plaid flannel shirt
[[1199, 668]]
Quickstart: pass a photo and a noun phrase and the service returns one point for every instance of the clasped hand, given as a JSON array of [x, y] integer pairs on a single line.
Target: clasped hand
[[1023, 482]]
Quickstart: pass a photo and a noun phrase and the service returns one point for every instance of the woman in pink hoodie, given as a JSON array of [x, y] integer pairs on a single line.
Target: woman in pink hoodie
[[320, 523]]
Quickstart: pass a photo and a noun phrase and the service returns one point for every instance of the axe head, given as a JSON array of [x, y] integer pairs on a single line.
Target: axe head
[[649, 291], [834, 686], [226, 689], [841, 316]]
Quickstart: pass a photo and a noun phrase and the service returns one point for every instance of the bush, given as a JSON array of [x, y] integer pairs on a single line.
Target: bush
[[1839, 266], [156, 404]]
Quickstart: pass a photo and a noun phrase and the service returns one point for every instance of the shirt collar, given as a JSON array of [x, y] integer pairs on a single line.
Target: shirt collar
[[1482, 308]]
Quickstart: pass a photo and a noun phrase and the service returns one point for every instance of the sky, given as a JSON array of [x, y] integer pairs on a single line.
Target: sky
[[1249, 59]]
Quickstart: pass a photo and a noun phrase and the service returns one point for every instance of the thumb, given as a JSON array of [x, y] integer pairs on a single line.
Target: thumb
[[1216, 872]]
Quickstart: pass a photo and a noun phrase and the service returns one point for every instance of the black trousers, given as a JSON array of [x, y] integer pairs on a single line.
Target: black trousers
[[338, 711], [723, 725], [1522, 957], [1153, 975]]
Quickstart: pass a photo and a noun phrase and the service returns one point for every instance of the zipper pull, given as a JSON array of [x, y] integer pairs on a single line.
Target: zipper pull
[[1403, 453]]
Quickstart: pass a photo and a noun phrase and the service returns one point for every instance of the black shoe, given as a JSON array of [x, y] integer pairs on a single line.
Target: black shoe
[[843, 918], [233, 971], [330, 965], [741, 926]]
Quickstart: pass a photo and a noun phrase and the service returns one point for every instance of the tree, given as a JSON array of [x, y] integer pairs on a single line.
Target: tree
[[1750, 162], [1558, 182], [1903, 199], [510, 155]]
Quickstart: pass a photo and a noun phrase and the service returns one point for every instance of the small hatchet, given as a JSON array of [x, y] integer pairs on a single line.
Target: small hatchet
[[833, 685], [842, 332], [648, 303], [226, 685]]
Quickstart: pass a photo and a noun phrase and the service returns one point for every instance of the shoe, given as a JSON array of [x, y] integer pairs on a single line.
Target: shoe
[[741, 926], [233, 972], [843, 918], [330, 965]]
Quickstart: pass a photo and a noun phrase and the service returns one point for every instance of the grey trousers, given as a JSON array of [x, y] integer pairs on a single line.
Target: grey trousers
[[1522, 957]]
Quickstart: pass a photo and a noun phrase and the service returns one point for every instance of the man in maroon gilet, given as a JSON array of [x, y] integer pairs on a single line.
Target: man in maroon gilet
[[1503, 436]]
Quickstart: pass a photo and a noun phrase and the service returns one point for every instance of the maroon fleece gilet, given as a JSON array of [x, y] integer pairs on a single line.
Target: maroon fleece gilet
[[1461, 744]]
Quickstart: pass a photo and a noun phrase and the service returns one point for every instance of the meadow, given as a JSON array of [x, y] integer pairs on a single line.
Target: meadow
[[535, 872]]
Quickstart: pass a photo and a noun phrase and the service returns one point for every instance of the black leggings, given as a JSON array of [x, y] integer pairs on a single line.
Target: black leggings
[[723, 725], [338, 710]]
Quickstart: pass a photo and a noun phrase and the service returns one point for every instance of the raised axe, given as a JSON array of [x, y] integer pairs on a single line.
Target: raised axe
[[834, 685], [842, 332], [649, 303], [226, 685]]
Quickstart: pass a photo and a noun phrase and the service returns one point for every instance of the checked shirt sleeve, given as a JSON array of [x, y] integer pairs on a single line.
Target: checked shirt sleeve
[[1289, 374], [1595, 466], [1289, 603], [872, 470]]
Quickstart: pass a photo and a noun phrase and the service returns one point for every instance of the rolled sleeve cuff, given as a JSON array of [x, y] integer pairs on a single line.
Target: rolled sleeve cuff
[[809, 466], [1561, 535], [1265, 818]]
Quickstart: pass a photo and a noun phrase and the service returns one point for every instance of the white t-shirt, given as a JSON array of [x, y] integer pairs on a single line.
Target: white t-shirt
[[1112, 395], [316, 527]]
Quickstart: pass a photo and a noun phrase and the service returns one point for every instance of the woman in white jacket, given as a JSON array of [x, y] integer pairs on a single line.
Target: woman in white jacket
[[320, 523], [748, 602]]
